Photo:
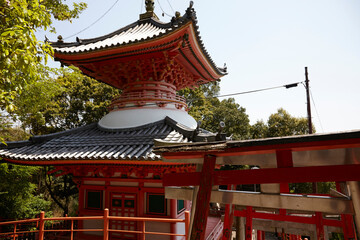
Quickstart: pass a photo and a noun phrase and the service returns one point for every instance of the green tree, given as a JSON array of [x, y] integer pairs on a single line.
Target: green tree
[[63, 100], [18, 194], [283, 124], [21, 53], [205, 107], [232, 114], [280, 124], [62, 190]]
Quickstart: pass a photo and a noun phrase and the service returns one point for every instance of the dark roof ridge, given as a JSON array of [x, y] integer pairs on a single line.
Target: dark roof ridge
[[186, 131], [42, 138], [351, 134]]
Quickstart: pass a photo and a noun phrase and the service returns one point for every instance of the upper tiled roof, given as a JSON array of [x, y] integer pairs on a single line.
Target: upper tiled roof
[[91, 142], [140, 31]]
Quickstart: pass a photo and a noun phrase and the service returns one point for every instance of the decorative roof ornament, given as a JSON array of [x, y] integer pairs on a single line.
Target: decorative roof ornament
[[149, 4]]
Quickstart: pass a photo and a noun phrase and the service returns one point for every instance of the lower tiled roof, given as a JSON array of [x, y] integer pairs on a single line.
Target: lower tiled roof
[[92, 142]]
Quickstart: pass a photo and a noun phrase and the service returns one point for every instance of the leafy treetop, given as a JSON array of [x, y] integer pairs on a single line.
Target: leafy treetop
[[21, 53]]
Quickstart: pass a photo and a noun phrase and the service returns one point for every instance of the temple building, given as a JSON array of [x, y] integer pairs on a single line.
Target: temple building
[[112, 161]]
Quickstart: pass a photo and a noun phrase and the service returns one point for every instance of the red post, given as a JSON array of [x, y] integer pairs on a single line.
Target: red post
[[203, 198], [248, 225], [106, 224], [229, 218], [187, 224], [143, 230], [41, 225], [259, 235], [14, 234], [319, 226], [72, 230]]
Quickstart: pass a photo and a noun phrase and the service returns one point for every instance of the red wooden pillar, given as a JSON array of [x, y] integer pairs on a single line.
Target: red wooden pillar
[[284, 160], [203, 198], [229, 218], [348, 226], [319, 226], [259, 235], [248, 225]]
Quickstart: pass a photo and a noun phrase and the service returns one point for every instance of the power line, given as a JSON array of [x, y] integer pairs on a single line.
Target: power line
[[260, 90], [93, 22], [171, 6], [163, 10], [316, 110]]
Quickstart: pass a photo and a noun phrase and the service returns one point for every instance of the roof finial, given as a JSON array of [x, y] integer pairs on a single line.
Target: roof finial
[[149, 4]]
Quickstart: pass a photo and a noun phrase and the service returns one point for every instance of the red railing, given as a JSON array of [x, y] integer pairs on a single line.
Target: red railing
[[40, 223]]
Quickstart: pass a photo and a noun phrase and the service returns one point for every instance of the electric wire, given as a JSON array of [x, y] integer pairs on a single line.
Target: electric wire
[[94, 21], [259, 90], [171, 6], [225, 95], [317, 114], [163, 10]]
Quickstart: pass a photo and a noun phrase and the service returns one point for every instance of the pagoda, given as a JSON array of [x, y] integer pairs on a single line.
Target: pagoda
[[112, 161]]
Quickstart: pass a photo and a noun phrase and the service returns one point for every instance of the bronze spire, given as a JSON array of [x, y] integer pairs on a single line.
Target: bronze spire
[[149, 4]]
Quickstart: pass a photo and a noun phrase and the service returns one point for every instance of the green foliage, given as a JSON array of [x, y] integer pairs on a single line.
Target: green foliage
[[62, 190], [232, 114], [18, 198], [322, 187], [280, 124], [68, 99], [204, 106], [10, 133], [21, 53]]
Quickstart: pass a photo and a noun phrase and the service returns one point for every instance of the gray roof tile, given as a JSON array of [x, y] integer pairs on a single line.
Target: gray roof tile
[[91, 142]]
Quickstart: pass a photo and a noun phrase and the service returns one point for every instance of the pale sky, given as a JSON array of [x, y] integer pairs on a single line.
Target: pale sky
[[265, 43]]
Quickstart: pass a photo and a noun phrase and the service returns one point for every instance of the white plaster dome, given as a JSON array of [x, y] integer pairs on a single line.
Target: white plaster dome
[[135, 117]]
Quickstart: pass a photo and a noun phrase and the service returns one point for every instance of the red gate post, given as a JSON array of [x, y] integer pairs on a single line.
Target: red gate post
[[41, 225], [347, 220], [248, 225], [203, 198], [319, 226], [229, 218], [106, 224]]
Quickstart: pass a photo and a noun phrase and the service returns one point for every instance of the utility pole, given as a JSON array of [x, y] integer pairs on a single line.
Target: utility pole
[[308, 100], [314, 184]]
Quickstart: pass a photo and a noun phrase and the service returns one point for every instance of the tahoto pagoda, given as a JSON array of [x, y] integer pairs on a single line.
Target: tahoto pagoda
[[112, 160]]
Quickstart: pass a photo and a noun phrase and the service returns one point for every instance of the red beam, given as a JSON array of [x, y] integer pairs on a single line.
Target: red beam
[[337, 173], [289, 218]]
